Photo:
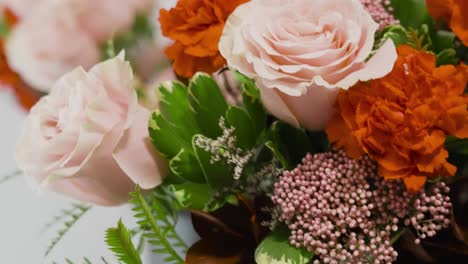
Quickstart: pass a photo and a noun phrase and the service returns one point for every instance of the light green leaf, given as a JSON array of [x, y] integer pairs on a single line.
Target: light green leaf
[[208, 104], [186, 165], [276, 249], [192, 195]]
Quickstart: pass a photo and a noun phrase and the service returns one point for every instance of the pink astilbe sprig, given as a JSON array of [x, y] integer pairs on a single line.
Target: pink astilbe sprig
[[341, 210], [381, 12]]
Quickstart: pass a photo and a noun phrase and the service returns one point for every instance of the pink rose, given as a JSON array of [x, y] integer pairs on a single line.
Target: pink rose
[[49, 43], [105, 18], [89, 139], [301, 52]]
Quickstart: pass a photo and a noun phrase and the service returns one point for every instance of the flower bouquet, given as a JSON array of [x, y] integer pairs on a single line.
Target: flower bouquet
[[299, 131]]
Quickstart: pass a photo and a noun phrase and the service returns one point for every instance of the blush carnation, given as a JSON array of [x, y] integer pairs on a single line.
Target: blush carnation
[[301, 52]]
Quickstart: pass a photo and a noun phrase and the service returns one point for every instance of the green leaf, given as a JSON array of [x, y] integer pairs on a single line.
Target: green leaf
[[275, 149], [443, 40], [411, 13], [448, 56], [186, 165], [192, 195], [456, 145], [244, 130], [395, 32], [293, 143], [118, 240], [208, 103], [276, 249], [255, 109], [218, 175], [248, 85], [163, 136]]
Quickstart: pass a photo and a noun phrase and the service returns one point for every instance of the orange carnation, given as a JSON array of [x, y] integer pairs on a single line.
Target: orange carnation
[[402, 120], [454, 12], [196, 27]]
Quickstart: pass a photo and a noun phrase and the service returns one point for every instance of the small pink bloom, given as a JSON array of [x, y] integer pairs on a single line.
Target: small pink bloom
[[49, 43], [105, 18], [88, 138], [301, 52]]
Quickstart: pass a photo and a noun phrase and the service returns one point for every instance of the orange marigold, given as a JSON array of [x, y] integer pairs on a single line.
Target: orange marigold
[[196, 27], [454, 12], [402, 120]]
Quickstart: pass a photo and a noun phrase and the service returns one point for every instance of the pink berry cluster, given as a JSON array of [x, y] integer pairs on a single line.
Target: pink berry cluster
[[327, 204], [380, 11], [433, 210], [341, 210]]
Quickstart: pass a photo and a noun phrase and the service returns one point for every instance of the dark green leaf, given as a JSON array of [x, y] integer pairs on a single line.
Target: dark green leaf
[[164, 137], [293, 143], [244, 130], [448, 56], [443, 40], [411, 13], [255, 110]]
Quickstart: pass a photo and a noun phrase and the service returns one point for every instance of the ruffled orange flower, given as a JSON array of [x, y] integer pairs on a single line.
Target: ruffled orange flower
[[402, 120], [454, 12], [26, 96], [196, 27]]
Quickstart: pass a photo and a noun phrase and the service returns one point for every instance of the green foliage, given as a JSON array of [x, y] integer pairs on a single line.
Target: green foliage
[[417, 40], [411, 13], [397, 33], [70, 218], [193, 195], [158, 227], [194, 112], [208, 104], [289, 144], [119, 241], [275, 249]]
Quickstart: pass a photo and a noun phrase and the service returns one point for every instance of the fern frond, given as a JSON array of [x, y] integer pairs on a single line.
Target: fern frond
[[64, 213], [71, 218], [157, 228], [119, 241], [417, 40], [6, 178]]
